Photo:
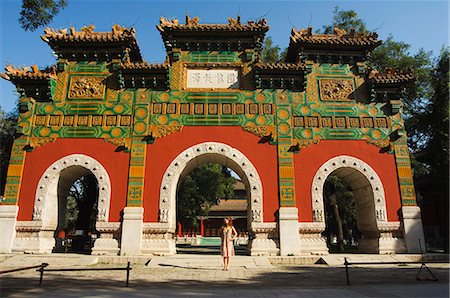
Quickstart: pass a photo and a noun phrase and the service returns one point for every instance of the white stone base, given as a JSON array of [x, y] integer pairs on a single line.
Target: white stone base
[[392, 245], [413, 229], [262, 247], [32, 237], [159, 247], [8, 215], [289, 234], [105, 246], [264, 240], [131, 231], [311, 240]]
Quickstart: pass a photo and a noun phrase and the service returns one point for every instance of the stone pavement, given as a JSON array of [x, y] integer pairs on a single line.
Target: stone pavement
[[197, 275]]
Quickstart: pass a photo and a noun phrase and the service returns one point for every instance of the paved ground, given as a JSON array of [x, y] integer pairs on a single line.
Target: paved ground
[[189, 276]]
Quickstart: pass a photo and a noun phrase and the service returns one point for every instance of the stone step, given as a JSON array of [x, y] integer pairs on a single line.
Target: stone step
[[54, 260]]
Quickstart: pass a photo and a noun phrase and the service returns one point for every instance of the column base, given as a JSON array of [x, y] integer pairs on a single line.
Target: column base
[[131, 238], [107, 244], [311, 240], [32, 237], [265, 240], [8, 215], [413, 229], [289, 231]]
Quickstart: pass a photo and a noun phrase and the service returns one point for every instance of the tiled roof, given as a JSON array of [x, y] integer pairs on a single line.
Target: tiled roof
[[230, 205], [144, 65], [87, 34], [192, 25], [339, 38], [118, 37], [33, 72], [280, 66], [390, 76]]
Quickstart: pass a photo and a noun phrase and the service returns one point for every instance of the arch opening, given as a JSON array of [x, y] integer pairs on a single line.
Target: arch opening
[[183, 164], [50, 205], [206, 194], [350, 212], [78, 192], [369, 198]]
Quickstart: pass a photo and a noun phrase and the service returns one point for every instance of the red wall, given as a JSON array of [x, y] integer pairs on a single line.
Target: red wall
[[310, 159], [37, 162], [165, 150]]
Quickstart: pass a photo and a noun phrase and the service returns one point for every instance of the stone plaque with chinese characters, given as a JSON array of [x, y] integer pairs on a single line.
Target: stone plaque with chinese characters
[[213, 78]]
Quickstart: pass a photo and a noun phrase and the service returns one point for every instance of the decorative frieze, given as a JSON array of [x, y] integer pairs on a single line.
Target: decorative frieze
[[82, 120], [341, 122], [212, 108]]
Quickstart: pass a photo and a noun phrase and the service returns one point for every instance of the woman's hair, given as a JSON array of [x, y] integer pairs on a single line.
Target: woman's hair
[[227, 222]]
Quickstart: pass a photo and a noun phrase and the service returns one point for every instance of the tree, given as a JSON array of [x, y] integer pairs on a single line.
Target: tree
[[270, 53], [38, 13], [433, 157], [8, 126], [340, 212], [345, 19], [81, 204], [205, 186]]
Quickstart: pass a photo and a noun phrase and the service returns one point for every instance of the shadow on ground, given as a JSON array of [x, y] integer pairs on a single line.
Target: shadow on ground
[[146, 280]]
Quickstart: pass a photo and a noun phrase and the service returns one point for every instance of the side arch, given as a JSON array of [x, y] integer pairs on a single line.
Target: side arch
[[378, 235], [46, 199], [344, 161]]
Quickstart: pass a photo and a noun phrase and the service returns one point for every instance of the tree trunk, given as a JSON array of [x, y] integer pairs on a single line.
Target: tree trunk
[[340, 232]]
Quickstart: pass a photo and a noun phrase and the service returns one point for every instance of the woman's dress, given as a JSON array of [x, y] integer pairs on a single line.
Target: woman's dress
[[227, 249]]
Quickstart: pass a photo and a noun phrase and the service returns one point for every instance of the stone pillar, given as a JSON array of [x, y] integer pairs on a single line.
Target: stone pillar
[[8, 215], [131, 231], [289, 231], [413, 229]]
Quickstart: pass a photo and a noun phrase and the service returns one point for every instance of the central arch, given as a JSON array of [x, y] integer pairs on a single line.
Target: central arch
[[200, 154]]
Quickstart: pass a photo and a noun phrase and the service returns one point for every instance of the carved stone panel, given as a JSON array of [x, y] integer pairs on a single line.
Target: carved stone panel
[[87, 87], [336, 89]]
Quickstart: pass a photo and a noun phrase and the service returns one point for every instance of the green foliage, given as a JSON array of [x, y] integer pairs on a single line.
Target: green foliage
[[205, 186], [8, 126], [395, 54], [270, 53], [337, 192], [38, 13], [81, 204], [345, 19]]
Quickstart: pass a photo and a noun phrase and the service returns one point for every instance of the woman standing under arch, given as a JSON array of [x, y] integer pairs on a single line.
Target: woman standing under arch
[[228, 235]]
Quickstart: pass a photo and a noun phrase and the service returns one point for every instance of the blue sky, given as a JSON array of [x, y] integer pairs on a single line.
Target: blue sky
[[422, 24]]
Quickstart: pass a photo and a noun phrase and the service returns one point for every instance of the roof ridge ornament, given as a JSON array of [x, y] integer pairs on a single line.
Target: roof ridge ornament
[[235, 22], [192, 21], [29, 72]]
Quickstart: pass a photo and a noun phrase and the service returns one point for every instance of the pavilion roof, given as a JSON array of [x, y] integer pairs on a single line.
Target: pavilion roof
[[390, 76], [118, 36], [339, 38], [193, 25]]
